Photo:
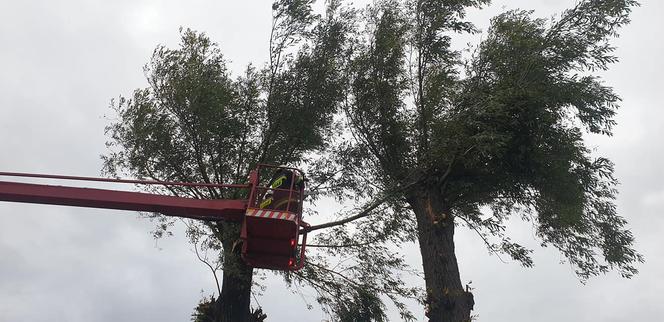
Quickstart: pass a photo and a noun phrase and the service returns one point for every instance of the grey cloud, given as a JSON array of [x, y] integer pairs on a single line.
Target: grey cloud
[[60, 64]]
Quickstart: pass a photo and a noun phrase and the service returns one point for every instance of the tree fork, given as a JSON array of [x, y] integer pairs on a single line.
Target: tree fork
[[446, 299]]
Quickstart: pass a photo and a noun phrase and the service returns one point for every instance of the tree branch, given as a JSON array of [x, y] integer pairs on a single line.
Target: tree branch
[[486, 242], [364, 213], [214, 271], [342, 246]]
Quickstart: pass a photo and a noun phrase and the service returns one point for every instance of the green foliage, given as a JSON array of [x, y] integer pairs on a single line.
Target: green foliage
[[377, 89], [196, 124], [193, 123], [365, 306], [356, 267], [522, 118], [204, 311], [378, 103], [504, 135]]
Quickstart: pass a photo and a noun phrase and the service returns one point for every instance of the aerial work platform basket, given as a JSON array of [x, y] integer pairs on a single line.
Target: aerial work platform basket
[[271, 233]]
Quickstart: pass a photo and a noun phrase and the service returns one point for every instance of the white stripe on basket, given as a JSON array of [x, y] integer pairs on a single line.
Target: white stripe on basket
[[265, 213]]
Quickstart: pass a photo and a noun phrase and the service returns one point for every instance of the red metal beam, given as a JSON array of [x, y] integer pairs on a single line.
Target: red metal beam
[[145, 182], [232, 210]]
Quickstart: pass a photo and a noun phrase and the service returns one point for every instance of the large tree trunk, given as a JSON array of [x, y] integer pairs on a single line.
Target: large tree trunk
[[233, 304], [446, 298]]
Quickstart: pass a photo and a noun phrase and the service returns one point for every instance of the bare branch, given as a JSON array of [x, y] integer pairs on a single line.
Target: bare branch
[[342, 246], [364, 213], [214, 271]]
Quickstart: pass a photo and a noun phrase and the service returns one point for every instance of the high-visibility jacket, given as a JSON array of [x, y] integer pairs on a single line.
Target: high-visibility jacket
[[280, 197]]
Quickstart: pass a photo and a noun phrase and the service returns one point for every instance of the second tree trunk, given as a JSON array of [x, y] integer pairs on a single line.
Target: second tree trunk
[[446, 298]]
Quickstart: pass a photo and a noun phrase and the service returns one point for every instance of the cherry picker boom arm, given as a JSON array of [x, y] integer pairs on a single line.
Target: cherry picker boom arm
[[270, 234], [232, 210]]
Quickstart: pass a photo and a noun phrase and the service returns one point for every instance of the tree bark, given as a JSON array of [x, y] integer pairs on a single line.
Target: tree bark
[[446, 298], [233, 304]]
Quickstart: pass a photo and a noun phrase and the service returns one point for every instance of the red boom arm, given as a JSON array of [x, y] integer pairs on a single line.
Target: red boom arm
[[269, 235], [123, 200]]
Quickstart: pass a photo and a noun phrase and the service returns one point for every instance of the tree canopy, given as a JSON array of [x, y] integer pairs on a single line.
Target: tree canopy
[[501, 133]]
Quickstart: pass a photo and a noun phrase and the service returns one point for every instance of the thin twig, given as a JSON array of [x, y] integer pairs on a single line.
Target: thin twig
[[488, 245], [214, 271]]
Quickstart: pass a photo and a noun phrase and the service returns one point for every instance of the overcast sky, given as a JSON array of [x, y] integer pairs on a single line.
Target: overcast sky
[[62, 61]]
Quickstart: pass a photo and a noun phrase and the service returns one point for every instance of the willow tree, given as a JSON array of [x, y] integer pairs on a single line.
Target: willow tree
[[472, 142], [196, 123]]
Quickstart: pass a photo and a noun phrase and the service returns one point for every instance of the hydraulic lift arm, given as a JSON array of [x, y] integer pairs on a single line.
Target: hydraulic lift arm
[[232, 210], [269, 235]]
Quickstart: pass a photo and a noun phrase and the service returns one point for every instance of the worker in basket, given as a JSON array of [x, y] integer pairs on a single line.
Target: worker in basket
[[280, 197]]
